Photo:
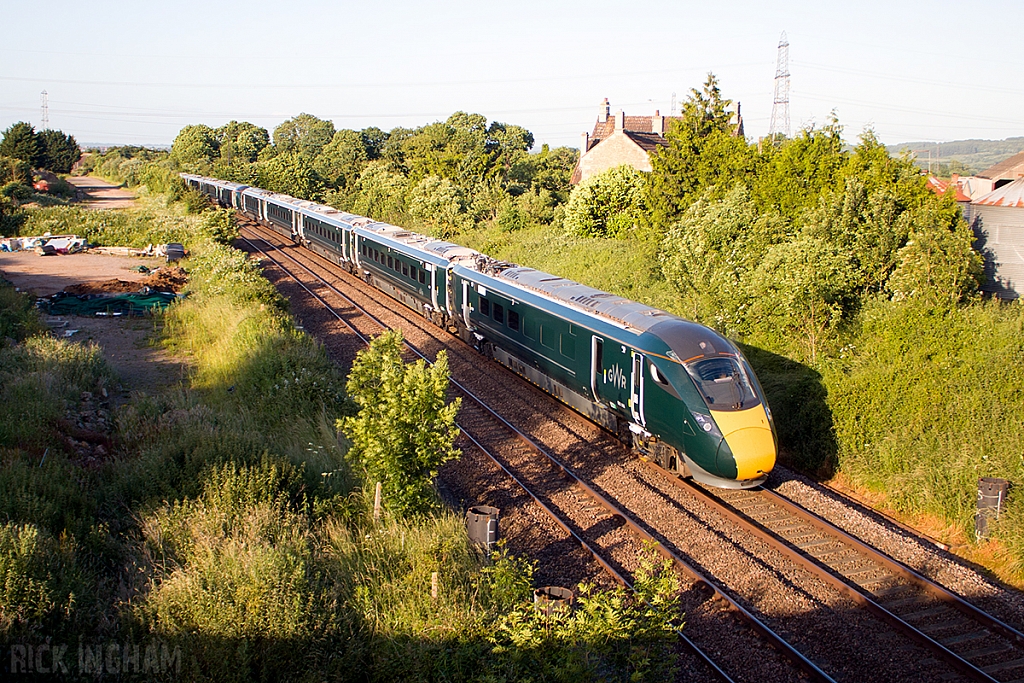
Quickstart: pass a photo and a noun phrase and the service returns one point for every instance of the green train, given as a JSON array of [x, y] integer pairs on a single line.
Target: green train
[[679, 393]]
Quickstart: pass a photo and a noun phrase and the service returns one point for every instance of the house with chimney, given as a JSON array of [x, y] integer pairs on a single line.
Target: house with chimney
[[622, 140]]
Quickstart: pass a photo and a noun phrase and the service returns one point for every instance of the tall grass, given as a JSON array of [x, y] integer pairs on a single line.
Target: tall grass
[[151, 223], [929, 401]]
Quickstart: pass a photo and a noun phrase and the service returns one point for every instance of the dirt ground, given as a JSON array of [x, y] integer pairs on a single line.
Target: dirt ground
[[99, 194], [46, 275], [126, 342]]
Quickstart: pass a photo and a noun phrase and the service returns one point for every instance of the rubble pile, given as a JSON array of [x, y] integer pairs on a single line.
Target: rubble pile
[[86, 430]]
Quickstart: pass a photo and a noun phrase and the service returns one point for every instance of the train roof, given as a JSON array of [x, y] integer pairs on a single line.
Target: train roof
[[445, 251], [636, 316]]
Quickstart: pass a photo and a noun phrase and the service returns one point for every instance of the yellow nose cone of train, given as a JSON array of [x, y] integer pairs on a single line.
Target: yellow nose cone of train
[[749, 436]]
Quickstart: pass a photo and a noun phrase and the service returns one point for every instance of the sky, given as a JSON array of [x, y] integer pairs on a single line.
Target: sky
[[136, 73]]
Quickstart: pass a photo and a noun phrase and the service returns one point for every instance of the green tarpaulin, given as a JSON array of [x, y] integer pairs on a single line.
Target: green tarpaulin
[[125, 304]]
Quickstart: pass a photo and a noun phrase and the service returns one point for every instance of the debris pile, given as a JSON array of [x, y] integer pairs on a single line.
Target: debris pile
[[86, 429], [171, 279]]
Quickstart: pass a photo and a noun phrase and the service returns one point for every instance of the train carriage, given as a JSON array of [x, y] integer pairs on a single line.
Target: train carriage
[[634, 369]]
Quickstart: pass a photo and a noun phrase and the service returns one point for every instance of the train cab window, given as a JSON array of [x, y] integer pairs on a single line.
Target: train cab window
[[513, 320], [485, 306], [423, 277], [499, 313], [725, 382]]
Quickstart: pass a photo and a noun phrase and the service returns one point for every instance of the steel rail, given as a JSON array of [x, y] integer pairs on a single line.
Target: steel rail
[[861, 596], [618, 577]]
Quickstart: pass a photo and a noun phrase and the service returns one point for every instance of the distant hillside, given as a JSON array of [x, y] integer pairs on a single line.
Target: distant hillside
[[975, 155]]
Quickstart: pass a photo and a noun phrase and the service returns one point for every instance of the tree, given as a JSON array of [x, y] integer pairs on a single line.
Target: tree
[[938, 264], [608, 204], [702, 152], [340, 162], [15, 171], [60, 151], [305, 135], [291, 174], [710, 254], [241, 141], [381, 192], [21, 142], [791, 177], [438, 203], [507, 144], [404, 430], [374, 140], [800, 291], [195, 147]]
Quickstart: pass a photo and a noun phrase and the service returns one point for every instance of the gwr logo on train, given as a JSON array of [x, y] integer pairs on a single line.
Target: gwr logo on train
[[615, 376]]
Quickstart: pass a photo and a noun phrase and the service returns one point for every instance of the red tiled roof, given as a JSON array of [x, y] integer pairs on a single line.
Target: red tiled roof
[[635, 124], [940, 186], [648, 141]]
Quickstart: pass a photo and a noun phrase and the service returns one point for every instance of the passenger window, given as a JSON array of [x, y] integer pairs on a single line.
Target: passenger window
[[485, 306], [412, 273], [405, 270], [391, 263], [423, 278], [513, 320], [499, 313]]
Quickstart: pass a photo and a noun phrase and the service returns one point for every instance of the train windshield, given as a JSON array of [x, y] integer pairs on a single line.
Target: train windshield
[[725, 382]]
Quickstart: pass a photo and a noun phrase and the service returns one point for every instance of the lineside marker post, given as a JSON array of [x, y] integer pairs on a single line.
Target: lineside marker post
[[376, 503]]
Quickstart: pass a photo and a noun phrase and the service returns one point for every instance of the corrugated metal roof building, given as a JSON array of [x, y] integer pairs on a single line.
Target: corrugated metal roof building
[[998, 222]]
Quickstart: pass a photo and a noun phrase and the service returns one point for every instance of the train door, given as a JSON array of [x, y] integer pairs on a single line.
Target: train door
[[636, 390], [610, 372], [465, 304], [433, 285]]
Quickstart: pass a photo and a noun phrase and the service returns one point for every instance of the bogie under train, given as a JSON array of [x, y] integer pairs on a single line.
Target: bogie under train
[[678, 392]]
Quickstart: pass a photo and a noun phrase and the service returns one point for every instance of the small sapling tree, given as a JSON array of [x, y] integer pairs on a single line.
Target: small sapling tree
[[404, 430]]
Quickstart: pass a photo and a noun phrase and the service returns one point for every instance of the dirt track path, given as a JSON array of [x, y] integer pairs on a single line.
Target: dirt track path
[[101, 194]]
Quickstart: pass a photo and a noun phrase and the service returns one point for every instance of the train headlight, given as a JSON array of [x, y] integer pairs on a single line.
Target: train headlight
[[706, 424]]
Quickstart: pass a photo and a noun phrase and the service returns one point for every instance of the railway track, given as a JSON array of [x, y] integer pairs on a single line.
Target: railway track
[[603, 530], [576, 497], [971, 640]]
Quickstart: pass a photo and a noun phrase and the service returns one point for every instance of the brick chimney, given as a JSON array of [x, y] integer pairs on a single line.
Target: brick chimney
[[604, 111], [584, 143], [620, 120], [658, 123]]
